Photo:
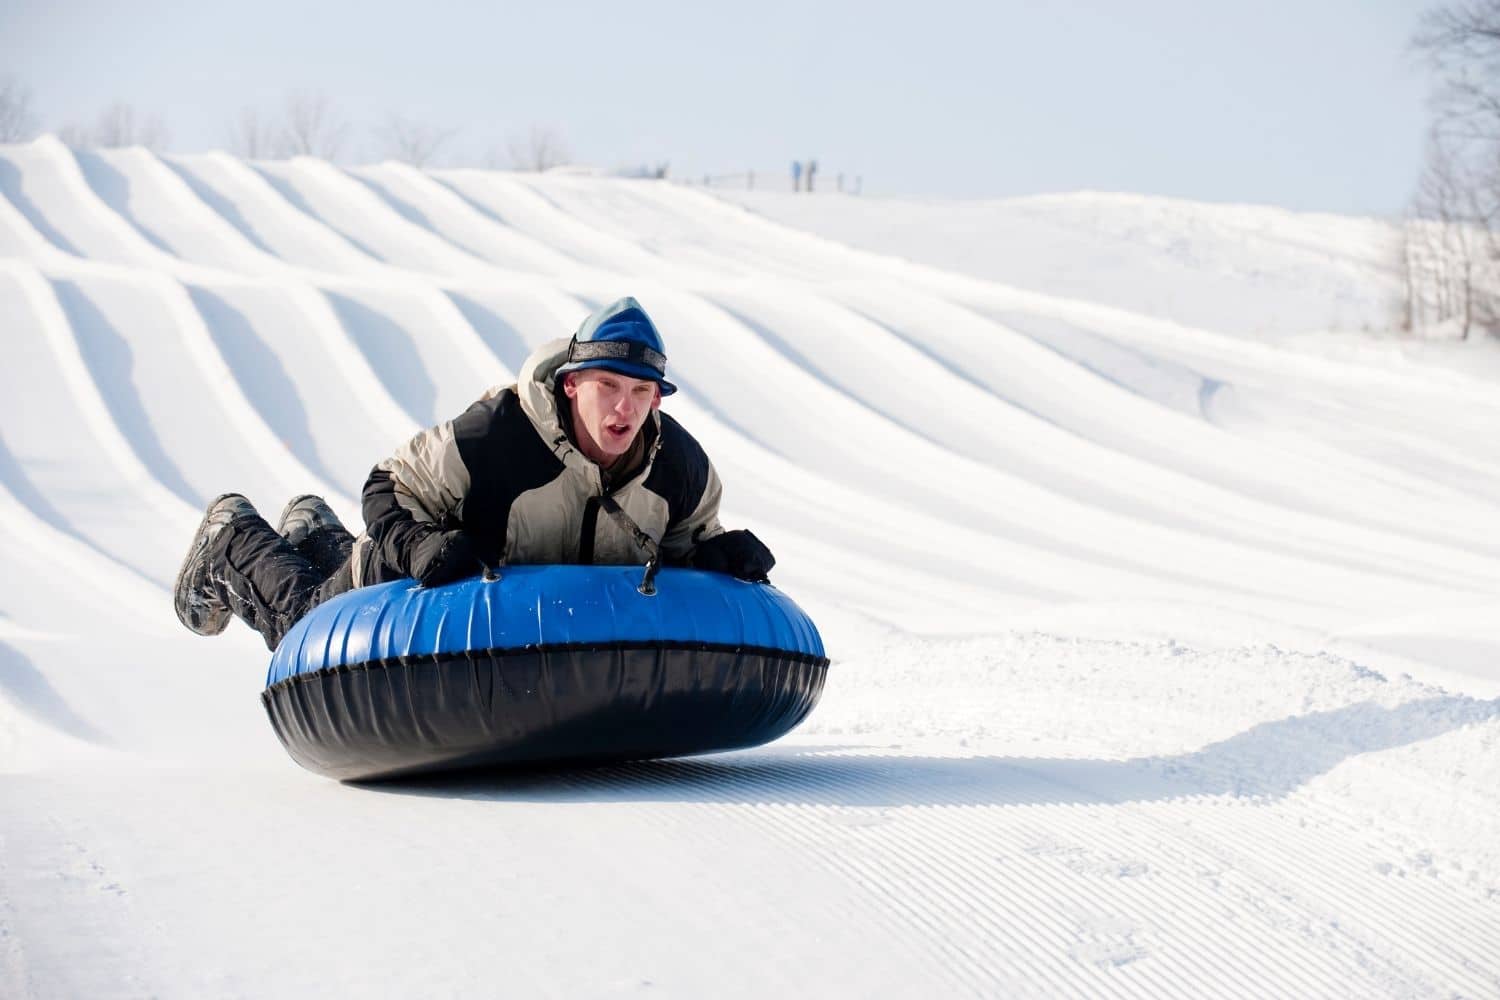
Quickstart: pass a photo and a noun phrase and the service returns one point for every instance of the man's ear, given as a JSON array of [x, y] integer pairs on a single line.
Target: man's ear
[[570, 385], [656, 400]]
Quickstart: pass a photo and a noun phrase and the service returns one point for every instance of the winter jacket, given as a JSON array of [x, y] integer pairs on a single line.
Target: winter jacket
[[508, 473]]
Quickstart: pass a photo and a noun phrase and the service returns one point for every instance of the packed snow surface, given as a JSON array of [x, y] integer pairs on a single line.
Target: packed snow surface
[[1163, 603]]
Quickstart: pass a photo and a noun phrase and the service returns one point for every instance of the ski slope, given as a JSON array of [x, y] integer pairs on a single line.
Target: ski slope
[[1166, 640]]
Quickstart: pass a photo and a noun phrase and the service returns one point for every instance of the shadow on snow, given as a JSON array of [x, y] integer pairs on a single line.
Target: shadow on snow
[[1267, 761]]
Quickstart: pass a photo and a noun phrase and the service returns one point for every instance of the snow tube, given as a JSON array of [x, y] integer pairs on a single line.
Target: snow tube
[[546, 663]]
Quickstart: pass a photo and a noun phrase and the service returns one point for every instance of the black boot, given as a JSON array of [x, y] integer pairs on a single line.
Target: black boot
[[314, 530], [198, 595], [239, 565]]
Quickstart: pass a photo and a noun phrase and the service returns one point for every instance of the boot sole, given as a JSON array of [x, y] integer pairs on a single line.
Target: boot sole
[[219, 620]]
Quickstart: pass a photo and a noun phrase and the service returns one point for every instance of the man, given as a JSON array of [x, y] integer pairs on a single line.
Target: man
[[575, 463]]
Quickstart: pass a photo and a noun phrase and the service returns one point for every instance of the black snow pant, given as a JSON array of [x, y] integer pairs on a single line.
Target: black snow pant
[[271, 584]]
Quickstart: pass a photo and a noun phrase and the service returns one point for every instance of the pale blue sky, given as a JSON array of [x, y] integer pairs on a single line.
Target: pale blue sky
[[1308, 105]]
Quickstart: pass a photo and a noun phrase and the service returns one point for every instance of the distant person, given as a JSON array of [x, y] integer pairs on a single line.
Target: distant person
[[812, 172], [796, 175], [574, 463]]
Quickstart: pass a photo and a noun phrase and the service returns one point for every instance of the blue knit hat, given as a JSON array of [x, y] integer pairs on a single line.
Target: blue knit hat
[[620, 338]]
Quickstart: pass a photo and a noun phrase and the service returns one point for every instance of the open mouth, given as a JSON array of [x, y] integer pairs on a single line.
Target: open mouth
[[617, 430]]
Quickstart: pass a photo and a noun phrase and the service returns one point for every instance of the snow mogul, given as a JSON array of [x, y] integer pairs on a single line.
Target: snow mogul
[[573, 464]]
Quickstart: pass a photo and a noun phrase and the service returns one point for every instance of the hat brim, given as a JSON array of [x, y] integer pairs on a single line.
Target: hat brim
[[625, 368]]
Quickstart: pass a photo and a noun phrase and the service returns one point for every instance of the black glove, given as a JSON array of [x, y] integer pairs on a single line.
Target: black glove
[[738, 553], [441, 557]]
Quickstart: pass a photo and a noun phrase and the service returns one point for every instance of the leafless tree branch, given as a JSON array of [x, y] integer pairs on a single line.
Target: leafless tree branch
[[1450, 243], [312, 127], [17, 123], [411, 141], [118, 125], [252, 135], [542, 148]]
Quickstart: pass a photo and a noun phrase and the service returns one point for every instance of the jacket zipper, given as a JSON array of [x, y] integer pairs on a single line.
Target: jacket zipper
[[590, 524]]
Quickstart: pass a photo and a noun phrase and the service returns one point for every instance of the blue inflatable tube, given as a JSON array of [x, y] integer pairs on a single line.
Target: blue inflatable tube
[[546, 663]]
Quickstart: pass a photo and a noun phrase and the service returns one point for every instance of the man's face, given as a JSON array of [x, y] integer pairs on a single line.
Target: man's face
[[608, 411]]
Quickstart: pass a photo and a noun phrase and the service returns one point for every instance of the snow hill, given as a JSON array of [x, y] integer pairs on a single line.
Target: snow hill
[[1166, 659], [1233, 268]]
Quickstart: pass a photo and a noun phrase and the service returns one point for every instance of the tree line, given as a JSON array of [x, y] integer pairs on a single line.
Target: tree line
[[1450, 238], [304, 124]]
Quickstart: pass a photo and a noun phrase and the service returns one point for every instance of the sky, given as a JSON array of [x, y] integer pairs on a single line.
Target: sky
[[1308, 106]]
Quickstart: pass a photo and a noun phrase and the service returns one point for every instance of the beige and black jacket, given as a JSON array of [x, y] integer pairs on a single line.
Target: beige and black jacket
[[508, 473]]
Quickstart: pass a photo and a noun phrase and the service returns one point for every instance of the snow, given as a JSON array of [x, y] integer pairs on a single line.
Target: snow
[[1163, 599], [1246, 269]]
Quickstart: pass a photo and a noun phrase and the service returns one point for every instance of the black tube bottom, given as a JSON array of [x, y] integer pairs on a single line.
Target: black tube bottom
[[560, 704]]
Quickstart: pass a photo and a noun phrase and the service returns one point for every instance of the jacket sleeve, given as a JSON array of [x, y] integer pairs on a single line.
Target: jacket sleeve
[[683, 475], [418, 490], [700, 522]]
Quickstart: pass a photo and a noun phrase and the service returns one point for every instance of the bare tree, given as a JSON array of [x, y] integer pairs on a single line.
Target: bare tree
[[541, 149], [74, 136], [1452, 243], [411, 141], [1408, 260], [152, 133], [313, 127], [17, 123], [252, 135], [117, 125], [1462, 41]]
